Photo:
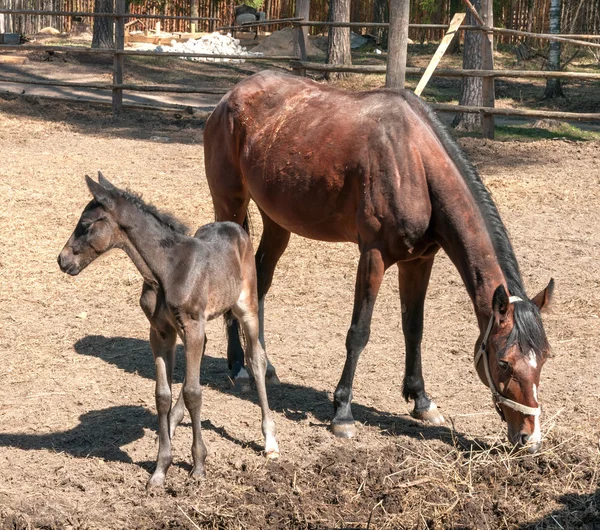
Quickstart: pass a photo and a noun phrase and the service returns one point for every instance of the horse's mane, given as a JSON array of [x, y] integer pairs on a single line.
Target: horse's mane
[[528, 331], [165, 219]]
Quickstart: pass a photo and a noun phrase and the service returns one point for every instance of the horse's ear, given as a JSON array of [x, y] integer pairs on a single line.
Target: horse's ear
[[100, 193], [500, 303], [104, 181], [544, 297]]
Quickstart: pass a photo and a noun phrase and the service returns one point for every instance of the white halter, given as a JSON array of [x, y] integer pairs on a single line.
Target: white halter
[[496, 396]]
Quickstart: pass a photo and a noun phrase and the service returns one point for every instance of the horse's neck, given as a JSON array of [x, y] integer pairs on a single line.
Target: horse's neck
[[143, 245], [463, 234]]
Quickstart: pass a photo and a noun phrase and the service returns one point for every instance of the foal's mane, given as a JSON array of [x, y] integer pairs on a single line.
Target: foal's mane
[[528, 330], [165, 219]]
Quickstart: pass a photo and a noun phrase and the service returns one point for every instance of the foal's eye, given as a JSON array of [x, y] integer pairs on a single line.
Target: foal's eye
[[504, 365]]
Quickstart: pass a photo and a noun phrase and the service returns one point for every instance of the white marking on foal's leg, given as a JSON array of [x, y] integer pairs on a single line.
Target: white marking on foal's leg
[[242, 374], [271, 447]]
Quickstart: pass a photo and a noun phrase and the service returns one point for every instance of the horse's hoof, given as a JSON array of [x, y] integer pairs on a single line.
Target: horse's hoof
[[431, 415], [344, 430], [155, 481], [272, 379], [242, 381]]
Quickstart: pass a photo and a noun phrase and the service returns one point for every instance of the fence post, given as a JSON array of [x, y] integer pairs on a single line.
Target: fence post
[[118, 58], [397, 43], [487, 60]]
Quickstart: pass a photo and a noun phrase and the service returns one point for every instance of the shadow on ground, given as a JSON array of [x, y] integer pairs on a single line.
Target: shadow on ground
[[294, 401], [579, 511]]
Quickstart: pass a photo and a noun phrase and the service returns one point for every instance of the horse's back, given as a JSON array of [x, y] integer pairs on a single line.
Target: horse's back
[[314, 157]]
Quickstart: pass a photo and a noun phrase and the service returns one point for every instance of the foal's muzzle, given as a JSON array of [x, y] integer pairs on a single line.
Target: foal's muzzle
[[67, 264]]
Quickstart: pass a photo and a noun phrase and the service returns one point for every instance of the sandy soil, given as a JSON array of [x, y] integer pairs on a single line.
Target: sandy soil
[[77, 414]]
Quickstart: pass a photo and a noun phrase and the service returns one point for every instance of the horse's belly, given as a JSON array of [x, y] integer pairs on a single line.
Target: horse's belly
[[305, 200]]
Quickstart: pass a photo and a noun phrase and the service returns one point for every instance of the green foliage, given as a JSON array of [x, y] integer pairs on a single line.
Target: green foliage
[[429, 7], [256, 4]]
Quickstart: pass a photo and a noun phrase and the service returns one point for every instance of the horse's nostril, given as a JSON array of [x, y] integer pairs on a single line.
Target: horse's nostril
[[523, 439]]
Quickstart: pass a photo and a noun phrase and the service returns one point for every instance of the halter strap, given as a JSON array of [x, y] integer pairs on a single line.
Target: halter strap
[[496, 395]]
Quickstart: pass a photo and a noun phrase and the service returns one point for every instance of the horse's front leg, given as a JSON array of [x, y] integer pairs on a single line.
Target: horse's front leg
[[413, 278], [371, 268], [193, 339], [163, 349]]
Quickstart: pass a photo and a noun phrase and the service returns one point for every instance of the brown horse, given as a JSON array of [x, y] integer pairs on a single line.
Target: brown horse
[[187, 281], [378, 169]]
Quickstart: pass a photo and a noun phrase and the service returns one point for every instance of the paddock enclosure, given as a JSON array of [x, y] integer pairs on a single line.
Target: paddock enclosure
[[77, 415]]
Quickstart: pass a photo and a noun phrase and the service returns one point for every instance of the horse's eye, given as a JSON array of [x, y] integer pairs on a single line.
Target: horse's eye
[[504, 366]]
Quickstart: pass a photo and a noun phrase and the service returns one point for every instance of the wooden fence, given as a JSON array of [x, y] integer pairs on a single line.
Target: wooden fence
[[525, 15], [298, 64]]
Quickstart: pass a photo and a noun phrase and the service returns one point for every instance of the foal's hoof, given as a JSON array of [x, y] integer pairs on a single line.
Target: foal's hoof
[[197, 473], [155, 481], [344, 430], [271, 448], [431, 415]]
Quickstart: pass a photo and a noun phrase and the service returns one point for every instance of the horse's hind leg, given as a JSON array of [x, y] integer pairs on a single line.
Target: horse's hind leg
[[413, 278], [273, 242], [371, 268], [230, 199], [163, 348]]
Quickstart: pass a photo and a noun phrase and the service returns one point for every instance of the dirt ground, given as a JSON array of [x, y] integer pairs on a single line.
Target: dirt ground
[[77, 414]]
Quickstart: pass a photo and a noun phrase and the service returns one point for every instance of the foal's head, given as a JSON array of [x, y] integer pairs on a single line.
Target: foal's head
[[96, 232], [510, 361]]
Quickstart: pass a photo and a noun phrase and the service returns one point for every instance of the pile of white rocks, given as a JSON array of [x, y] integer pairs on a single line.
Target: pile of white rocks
[[214, 43]]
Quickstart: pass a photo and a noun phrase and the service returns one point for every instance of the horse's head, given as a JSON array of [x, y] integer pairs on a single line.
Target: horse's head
[[509, 361], [95, 233]]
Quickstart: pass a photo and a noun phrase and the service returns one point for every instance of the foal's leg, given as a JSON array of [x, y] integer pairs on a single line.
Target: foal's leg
[[371, 268], [413, 278], [163, 348], [193, 338], [273, 242], [247, 313]]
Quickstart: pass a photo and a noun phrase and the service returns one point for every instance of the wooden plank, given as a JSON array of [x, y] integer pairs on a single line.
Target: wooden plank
[[525, 113], [449, 72], [456, 21]]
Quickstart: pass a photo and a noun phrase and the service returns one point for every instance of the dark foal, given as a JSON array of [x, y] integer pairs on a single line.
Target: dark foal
[[378, 169], [187, 281]]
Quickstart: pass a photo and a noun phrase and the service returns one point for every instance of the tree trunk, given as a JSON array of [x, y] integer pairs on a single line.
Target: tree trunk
[[194, 13], [398, 43], [338, 46], [103, 36], [381, 13], [472, 87], [553, 88]]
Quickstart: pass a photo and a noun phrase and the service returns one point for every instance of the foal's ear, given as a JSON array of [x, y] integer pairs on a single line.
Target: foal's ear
[[544, 297], [104, 181], [500, 303], [100, 193]]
